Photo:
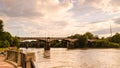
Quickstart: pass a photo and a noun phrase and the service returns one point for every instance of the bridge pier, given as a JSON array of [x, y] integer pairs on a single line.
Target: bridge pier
[[47, 48], [47, 45]]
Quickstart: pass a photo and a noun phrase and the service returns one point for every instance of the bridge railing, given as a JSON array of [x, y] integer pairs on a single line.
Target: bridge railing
[[21, 59]]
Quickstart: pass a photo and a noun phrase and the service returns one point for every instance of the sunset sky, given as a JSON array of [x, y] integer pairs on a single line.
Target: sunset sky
[[60, 17]]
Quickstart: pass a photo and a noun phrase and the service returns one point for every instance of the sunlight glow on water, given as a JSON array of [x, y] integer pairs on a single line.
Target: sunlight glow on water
[[78, 58]]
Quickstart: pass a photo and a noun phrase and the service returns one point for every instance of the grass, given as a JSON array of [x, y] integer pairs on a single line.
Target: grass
[[2, 49]]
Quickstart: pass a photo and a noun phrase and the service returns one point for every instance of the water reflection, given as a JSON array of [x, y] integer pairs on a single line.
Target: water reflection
[[46, 54]]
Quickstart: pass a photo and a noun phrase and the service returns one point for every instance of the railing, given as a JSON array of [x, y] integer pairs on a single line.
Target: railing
[[21, 59], [16, 57], [23, 62], [12, 56], [32, 63]]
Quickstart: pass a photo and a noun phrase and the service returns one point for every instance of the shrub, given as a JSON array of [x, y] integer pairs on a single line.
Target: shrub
[[4, 44], [113, 45]]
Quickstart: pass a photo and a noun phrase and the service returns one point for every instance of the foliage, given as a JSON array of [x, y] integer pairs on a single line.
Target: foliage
[[6, 38], [102, 44], [4, 44], [1, 26], [15, 42], [74, 36], [41, 44], [59, 43], [115, 38], [81, 42], [113, 45], [55, 43], [96, 37], [98, 44], [33, 44], [89, 35], [3, 49]]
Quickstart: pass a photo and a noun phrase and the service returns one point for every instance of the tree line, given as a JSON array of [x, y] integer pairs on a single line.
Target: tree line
[[87, 40]]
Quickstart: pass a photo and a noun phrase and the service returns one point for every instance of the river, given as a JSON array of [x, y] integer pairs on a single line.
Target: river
[[76, 58]]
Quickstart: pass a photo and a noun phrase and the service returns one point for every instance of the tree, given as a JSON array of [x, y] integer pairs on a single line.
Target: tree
[[116, 38], [4, 44], [6, 38], [1, 26], [96, 37], [56, 43], [89, 35], [81, 42], [15, 42], [74, 36]]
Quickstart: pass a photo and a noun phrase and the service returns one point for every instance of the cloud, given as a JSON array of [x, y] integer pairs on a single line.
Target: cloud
[[104, 5], [117, 20], [28, 8], [58, 17], [32, 16], [109, 6], [17, 8], [89, 11], [102, 28], [106, 31]]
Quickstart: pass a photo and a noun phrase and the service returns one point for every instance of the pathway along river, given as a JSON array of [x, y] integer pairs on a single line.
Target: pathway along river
[[77, 58]]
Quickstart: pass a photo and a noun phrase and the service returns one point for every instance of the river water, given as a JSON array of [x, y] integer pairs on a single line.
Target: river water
[[76, 58]]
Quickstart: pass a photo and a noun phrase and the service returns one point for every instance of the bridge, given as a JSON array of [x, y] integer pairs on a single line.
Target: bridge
[[70, 42]]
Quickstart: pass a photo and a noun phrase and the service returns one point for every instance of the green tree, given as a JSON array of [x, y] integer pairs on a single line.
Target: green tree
[[6, 38], [96, 37], [81, 42], [1, 26], [4, 44], [89, 35], [15, 42], [116, 38], [74, 36], [56, 43]]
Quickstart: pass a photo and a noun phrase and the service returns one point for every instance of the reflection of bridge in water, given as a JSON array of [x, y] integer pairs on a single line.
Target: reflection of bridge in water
[[70, 42]]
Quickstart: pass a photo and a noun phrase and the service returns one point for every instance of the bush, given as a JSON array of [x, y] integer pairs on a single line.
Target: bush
[[102, 44], [113, 45], [81, 42], [4, 44], [115, 38]]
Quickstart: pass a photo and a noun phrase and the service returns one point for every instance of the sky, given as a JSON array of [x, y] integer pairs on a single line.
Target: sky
[[60, 18]]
